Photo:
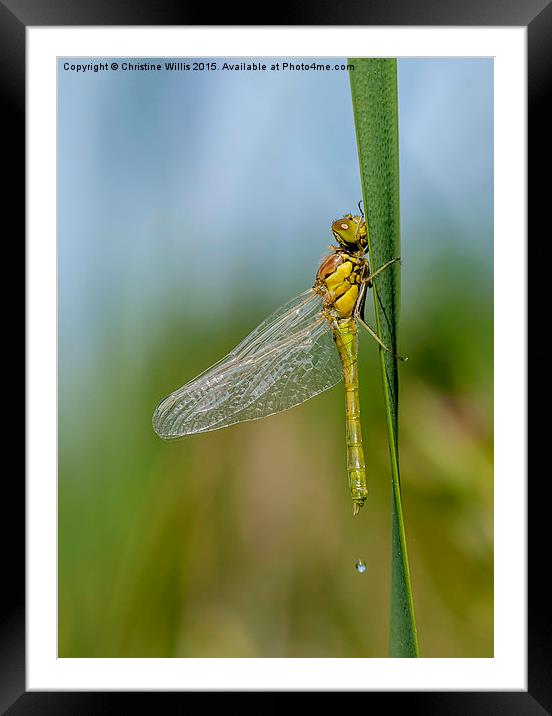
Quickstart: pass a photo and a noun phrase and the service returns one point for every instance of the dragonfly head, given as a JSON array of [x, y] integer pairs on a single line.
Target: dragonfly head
[[351, 233]]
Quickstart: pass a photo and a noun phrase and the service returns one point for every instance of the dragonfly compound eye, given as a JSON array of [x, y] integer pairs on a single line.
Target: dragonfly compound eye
[[350, 232]]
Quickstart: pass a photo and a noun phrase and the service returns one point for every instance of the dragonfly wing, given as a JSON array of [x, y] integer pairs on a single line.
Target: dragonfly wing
[[289, 358]]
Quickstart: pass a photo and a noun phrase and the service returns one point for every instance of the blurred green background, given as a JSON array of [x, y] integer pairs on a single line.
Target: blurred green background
[[190, 206]]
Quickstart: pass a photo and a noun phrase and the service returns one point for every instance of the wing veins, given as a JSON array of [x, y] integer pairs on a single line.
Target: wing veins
[[274, 356]]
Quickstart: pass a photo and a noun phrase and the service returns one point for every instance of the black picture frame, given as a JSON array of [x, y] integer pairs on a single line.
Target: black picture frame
[[536, 15]]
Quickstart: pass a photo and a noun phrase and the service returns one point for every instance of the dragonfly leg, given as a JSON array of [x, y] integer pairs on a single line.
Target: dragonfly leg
[[378, 339], [371, 277]]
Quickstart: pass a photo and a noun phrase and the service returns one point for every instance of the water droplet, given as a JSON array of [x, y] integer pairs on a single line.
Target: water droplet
[[360, 567]]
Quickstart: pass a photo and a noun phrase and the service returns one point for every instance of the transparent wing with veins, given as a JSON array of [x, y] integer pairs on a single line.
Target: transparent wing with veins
[[289, 358]]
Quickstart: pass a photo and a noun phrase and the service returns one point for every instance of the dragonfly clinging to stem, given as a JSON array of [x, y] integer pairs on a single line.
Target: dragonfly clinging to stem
[[305, 347]]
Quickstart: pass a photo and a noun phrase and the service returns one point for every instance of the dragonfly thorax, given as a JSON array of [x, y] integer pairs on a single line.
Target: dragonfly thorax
[[339, 280]]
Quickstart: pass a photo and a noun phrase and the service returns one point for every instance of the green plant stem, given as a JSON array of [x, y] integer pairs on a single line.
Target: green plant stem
[[375, 107]]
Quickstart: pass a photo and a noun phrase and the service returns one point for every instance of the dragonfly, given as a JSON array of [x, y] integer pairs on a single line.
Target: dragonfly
[[302, 349]]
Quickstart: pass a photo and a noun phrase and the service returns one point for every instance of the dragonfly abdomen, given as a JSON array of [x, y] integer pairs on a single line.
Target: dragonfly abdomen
[[345, 334]]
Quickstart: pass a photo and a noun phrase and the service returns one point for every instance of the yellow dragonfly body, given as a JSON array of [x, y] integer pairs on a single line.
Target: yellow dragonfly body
[[302, 349]]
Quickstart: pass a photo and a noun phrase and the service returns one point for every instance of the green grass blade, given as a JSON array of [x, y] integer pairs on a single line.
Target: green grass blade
[[374, 94]]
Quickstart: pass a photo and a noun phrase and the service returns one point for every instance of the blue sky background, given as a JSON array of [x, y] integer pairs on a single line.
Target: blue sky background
[[163, 173]]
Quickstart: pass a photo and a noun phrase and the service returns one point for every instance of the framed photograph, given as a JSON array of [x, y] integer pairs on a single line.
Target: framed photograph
[[223, 222]]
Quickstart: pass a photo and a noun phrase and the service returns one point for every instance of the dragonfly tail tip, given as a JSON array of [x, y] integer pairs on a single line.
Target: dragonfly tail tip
[[357, 504]]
